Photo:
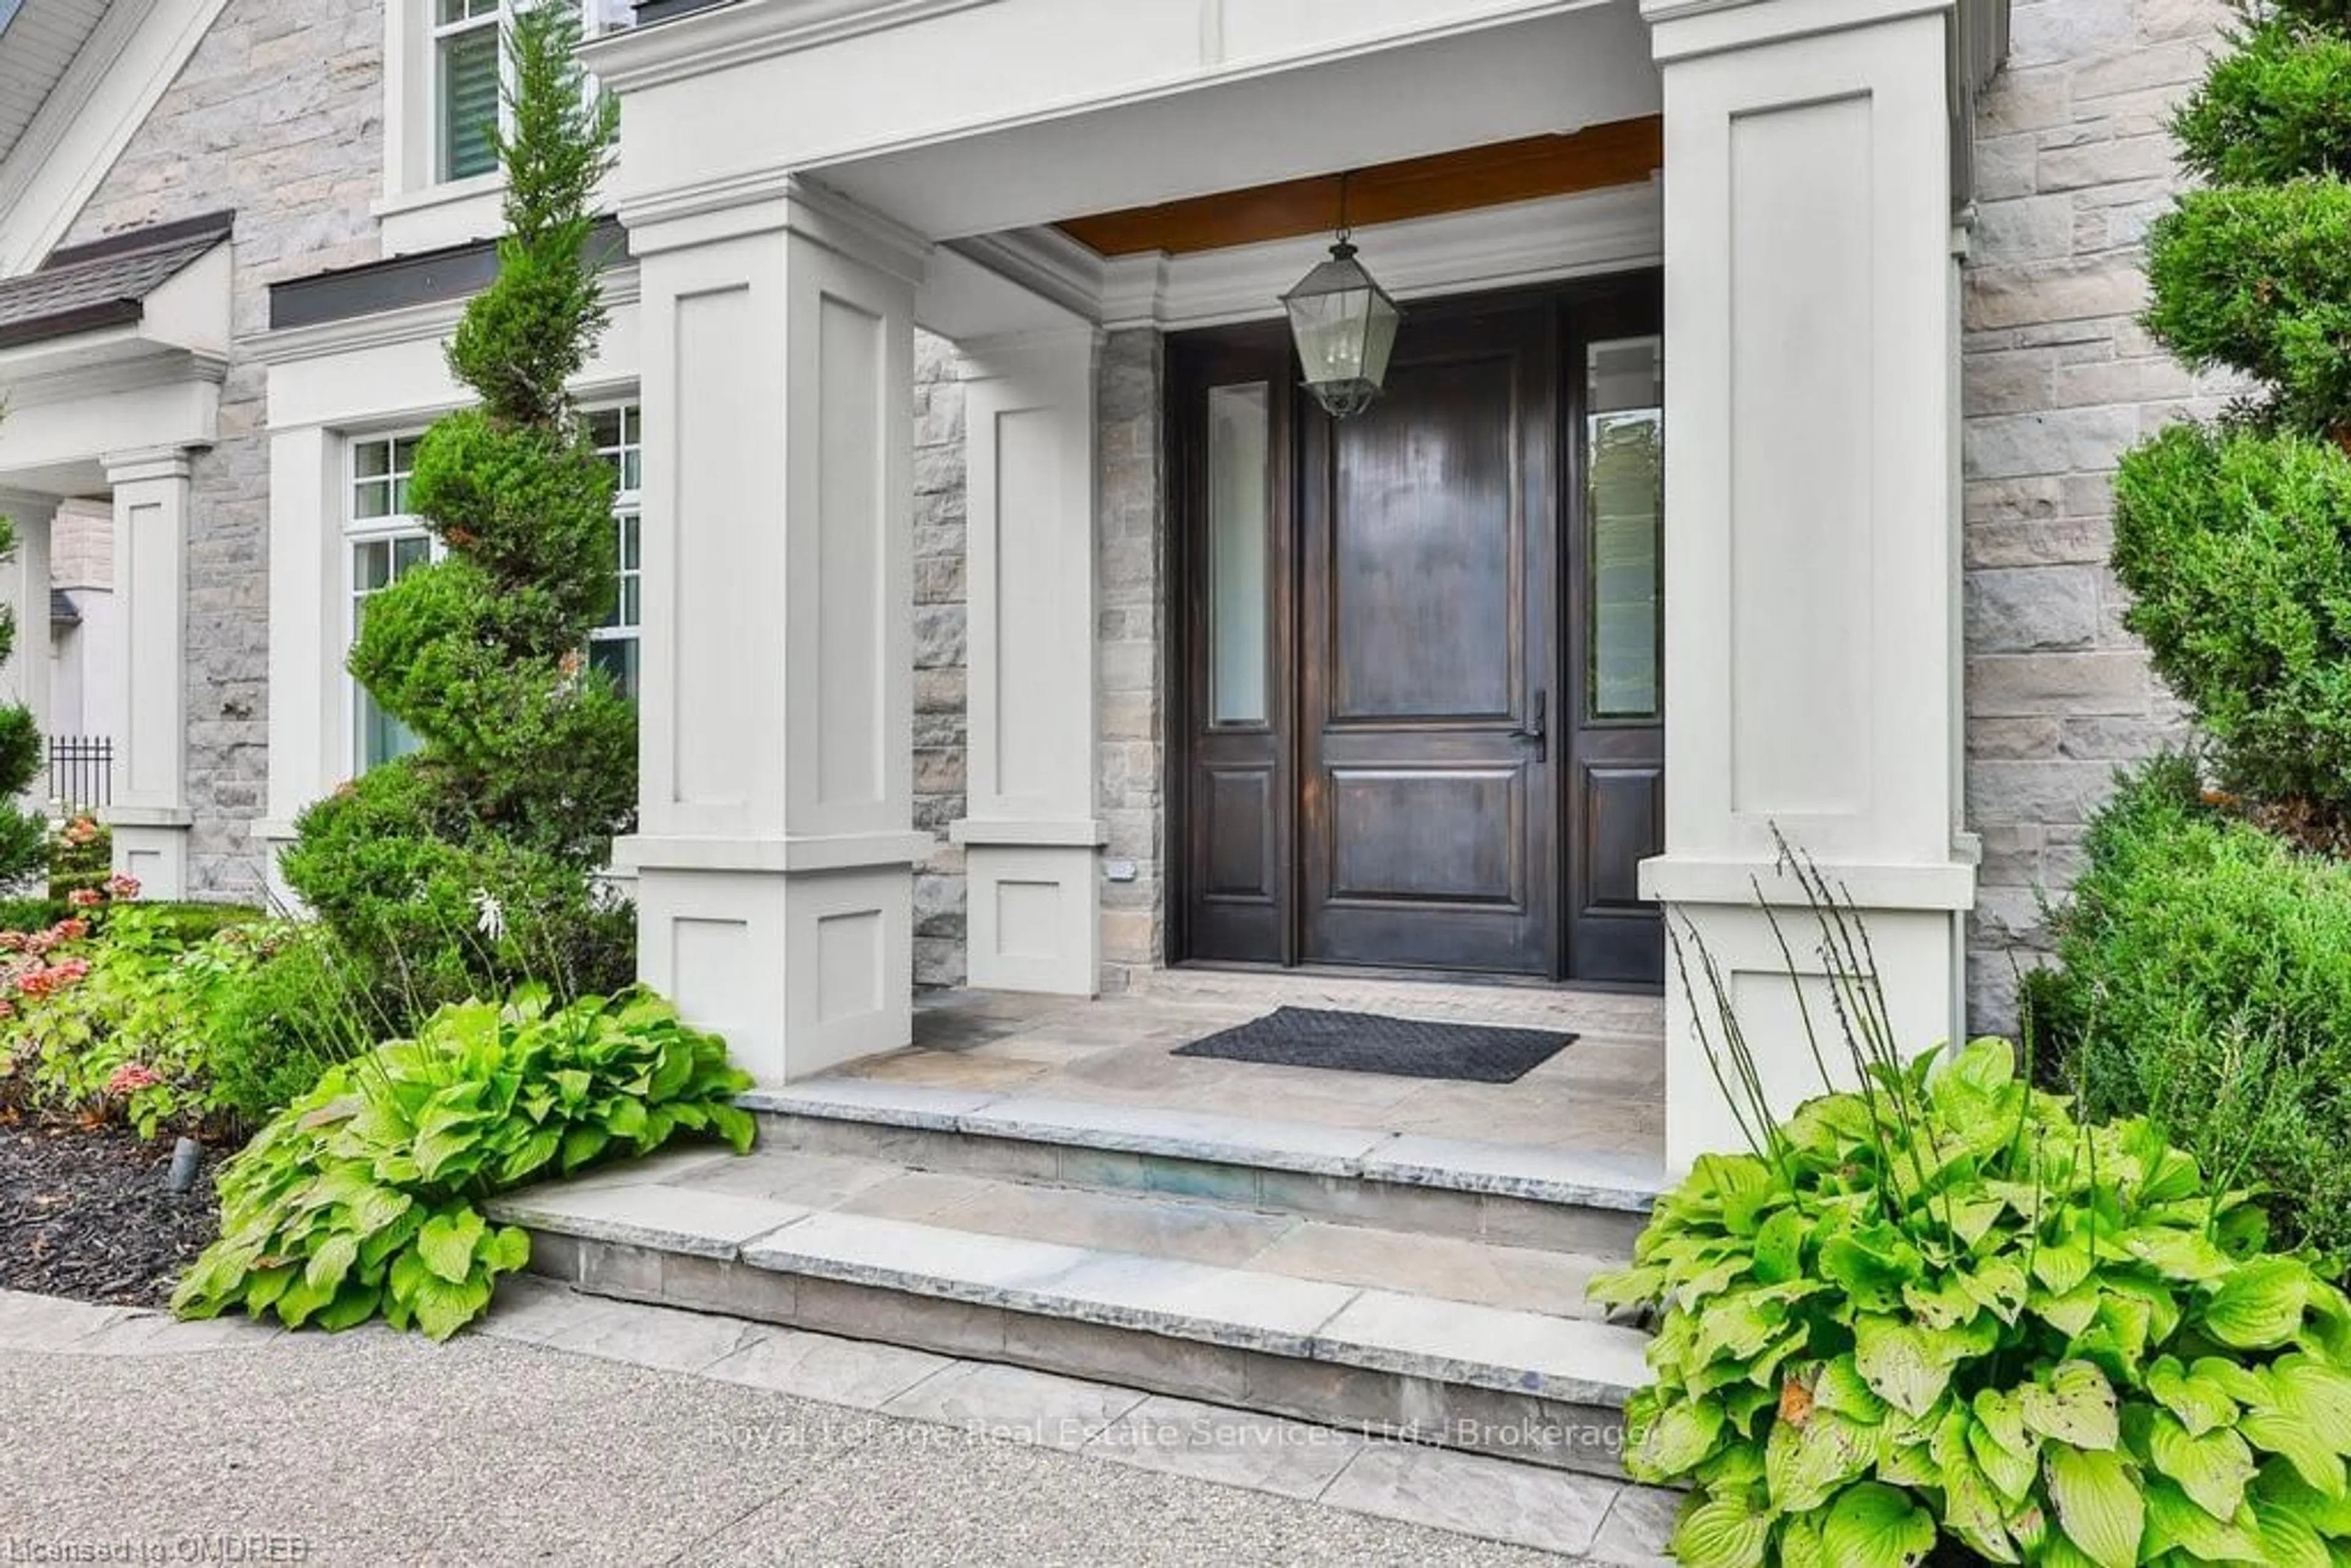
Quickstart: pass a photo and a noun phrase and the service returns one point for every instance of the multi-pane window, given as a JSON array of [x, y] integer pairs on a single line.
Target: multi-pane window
[[467, 73], [386, 543], [619, 434]]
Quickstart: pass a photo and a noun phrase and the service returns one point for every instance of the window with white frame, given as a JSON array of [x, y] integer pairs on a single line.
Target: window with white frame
[[386, 541], [619, 434], [469, 75]]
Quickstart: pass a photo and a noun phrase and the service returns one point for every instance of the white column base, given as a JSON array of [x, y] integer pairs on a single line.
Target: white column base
[[1917, 955], [799, 970], [152, 846], [1035, 920]]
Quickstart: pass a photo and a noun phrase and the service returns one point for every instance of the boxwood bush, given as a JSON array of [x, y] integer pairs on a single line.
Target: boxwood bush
[[2204, 979]]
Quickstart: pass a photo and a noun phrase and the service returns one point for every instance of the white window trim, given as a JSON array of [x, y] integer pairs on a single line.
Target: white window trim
[[626, 503], [418, 210]]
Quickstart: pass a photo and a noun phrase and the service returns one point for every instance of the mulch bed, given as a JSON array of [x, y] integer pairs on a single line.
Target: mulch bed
[[84, 1213]]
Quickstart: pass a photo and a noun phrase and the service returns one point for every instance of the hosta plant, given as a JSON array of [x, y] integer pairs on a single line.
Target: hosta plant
[[1938, 1317], [363, 1195]]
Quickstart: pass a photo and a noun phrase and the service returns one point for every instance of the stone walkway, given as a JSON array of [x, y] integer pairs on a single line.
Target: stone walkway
[[584, 1431]]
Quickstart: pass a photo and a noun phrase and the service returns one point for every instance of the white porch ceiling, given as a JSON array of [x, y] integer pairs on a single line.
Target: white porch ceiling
[[1559, 72], [38, 39]]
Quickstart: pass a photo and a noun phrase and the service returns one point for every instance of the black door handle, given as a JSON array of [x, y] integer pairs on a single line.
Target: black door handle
[[1537, 727]]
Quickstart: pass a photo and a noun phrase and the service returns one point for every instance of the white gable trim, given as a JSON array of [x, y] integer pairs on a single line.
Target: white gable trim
[[98, 106]]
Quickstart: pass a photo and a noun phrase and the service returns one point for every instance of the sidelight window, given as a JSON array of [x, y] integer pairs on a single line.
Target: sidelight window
[[1239, 519], [1624, 508]]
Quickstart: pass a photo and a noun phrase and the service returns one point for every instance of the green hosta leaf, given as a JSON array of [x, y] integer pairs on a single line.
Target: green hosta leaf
[[1804, 1462], [2098, 1503], [2011, 1473], [2061, 1269], [2288, 1539], [2075, 1407], [1975, 1509], [1800, 1543], [1873, 1526], [332, 1260], [734, 1125], [2214, 1469], [1721, 1533], [2315, 1394], [2258, 1306], [1944, 1304], [627, 1119], [2071, 1314], [1997, 1285], [1780, 1247], [529, 1157], [2281, 1485], [2187, 1255], [1972, 1219], [2200, 1403], [2175, 1519], [582, 1143], [505, 1249], [1736, 1326], [1899, 1365], [1679, 1434], [443, 1307], [1838, 1386], [353, 1304], [1871, 1275], [447, 1243], [300, 1299], [1639, 1285], [2299, 1444], [2245, 1384]]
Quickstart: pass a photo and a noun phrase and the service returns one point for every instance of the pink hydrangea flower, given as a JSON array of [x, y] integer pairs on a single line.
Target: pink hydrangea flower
[[85, 898], [121, 886]]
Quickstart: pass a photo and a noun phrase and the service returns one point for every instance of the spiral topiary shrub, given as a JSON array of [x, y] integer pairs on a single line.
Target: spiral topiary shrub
[[2235, 538], [472, 864]]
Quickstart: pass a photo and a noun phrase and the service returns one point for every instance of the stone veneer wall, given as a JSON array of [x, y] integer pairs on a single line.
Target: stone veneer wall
[[939, 659], [1130, 540], [2073, 161], [279, 114]]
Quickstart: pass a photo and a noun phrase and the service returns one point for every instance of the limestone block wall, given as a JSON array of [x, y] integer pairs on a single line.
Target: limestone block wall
[[2073, 161], [278, 114], [939, 659], [1130, 651]]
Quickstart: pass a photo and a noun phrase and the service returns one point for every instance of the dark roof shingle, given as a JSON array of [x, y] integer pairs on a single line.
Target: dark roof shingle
[[101, 284]]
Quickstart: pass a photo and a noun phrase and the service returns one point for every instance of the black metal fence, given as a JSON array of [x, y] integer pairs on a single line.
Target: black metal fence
[[81, 770]]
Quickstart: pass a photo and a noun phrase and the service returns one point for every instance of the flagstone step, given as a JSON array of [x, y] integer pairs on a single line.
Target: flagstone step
[[1346, 1325], [1523, 1193]]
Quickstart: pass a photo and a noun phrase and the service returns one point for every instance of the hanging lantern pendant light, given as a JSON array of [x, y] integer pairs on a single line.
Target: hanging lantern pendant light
[[1344, 326]]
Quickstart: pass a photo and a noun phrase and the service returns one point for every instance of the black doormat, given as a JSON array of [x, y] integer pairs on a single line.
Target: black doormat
[[1366, 1042]]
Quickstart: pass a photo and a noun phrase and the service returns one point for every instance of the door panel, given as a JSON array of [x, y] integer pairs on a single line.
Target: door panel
[[1233, 791], [1428, 812], [1616, 637]]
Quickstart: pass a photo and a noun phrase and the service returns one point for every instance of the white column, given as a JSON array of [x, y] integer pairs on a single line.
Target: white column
[[1031, 840], [309, 731], [24, 589], [1811, 581], [776, 844], [149, 813]]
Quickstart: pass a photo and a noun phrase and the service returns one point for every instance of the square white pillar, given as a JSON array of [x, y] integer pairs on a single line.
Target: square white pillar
[[1812, 580], [775, 842], [24, 589], [1031, 841], [150, 812]]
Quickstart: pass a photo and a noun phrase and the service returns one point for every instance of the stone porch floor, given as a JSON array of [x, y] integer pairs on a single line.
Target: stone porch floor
[[1604, 1094]]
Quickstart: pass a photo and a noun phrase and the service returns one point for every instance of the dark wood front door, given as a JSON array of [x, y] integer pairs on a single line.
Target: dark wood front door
[[1411, 664]]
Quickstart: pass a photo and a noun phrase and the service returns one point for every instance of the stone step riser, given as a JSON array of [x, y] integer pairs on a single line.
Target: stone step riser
[[1499, 1217], [1560, 1434]]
